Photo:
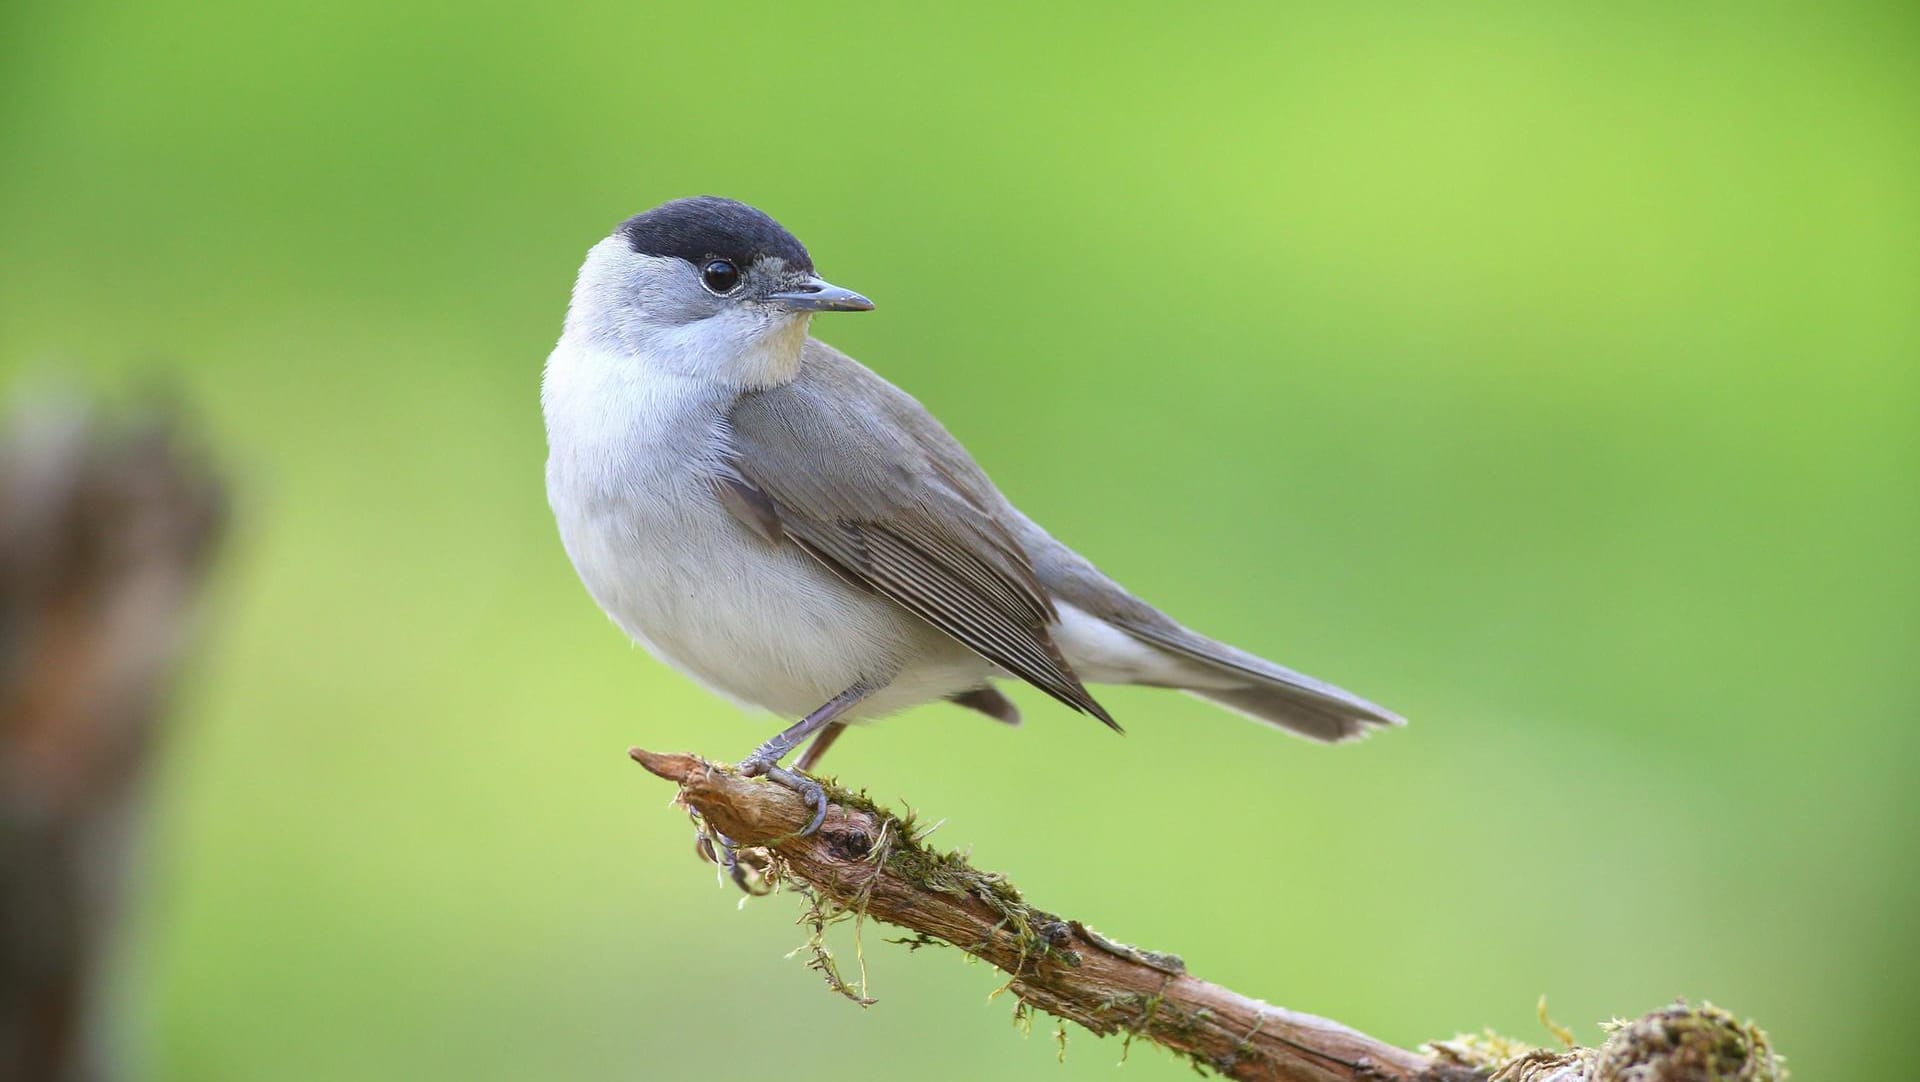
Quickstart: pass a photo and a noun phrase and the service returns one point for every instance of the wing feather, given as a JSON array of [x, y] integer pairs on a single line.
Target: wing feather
[[861, 477]]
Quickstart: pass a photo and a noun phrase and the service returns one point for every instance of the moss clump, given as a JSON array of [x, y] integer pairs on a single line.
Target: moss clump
[[1688, 1044], [1675, 1044]]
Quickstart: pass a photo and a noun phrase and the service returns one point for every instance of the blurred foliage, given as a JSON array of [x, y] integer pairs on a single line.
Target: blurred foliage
[[1545, 371]]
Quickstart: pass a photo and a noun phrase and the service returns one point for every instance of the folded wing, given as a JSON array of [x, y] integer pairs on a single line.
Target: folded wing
[[859, 475]]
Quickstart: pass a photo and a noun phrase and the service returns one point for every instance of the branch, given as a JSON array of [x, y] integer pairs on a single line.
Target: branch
[[866, 861]]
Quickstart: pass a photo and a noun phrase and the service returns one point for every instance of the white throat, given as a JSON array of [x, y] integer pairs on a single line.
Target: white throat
[[737, 352]]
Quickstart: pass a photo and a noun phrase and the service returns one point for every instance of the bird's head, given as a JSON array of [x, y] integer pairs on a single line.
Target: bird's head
[[704, 287]]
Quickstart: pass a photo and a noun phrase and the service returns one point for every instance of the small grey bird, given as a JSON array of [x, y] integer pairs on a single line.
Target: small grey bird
[[768, 516]]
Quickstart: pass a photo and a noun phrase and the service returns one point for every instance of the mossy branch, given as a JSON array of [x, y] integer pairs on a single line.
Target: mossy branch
[[868, 862]]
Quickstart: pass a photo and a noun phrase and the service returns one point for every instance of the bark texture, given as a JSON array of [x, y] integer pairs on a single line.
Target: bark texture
[[865, 860]]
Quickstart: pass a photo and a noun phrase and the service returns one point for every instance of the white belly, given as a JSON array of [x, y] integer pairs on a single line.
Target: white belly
[[629, 475]]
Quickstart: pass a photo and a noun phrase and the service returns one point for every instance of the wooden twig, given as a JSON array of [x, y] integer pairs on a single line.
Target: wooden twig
[[1059, 966], [866, 860]]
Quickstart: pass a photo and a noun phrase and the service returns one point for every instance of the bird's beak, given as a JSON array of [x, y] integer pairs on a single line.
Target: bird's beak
[[818, 295]]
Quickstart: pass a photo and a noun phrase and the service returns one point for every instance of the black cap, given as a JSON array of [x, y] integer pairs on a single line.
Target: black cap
[[708, 227]]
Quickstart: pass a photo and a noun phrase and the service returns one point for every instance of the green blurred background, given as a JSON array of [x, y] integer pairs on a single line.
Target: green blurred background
[[1547, 372]]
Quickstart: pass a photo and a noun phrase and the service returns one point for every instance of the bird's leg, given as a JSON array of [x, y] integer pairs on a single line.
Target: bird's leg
[[766, 758], [819, 746]]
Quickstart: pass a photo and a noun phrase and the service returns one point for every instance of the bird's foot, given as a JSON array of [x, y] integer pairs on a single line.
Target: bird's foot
[[811, 791], [747, 873]]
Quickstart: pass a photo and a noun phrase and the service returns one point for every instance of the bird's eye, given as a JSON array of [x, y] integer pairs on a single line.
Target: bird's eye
[[721, 276]]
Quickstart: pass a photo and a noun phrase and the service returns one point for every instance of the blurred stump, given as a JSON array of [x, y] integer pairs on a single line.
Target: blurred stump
[[106, 531]]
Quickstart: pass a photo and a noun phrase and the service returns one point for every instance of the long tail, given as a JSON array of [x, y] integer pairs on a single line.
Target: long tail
[[1121, 639], [1267, 692]]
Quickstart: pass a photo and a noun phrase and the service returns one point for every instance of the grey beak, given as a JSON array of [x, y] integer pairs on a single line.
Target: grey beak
[[818, 295]]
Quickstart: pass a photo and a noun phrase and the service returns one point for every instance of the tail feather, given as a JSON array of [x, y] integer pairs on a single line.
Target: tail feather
[[1104, 626], [1279, 705], [1268, 692]]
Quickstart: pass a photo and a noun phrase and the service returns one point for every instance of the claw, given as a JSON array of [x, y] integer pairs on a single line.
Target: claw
[[765, 759], [812, 791], [737, 868], [716, 848], [702, 844]]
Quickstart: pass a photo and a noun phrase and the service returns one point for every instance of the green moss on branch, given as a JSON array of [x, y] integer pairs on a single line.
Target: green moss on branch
[[867, 862]]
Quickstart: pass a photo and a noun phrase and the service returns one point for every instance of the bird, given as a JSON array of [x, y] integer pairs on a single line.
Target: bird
[[778, 522]]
